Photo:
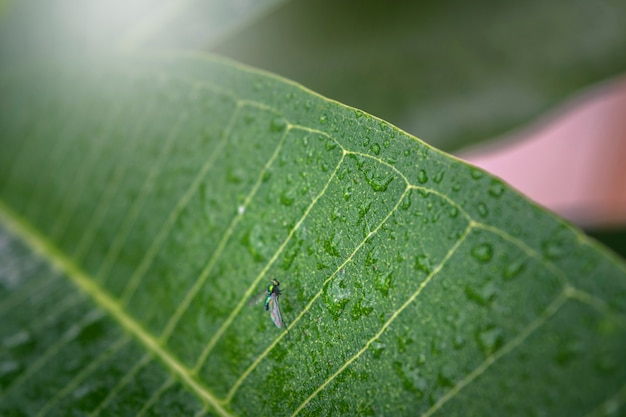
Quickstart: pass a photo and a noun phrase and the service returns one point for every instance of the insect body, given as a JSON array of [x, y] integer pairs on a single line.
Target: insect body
[[271, 303]]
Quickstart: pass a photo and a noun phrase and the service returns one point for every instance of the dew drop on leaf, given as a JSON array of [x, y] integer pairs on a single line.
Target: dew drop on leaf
[[553, 249], [379, 184], [336, 296], [16, 339], [422, 263], [482, 295], [438, 177], [496, 188], [446, 376], [383, 282], [422, 177], [490, 340], [476, 173], [483, 252], [514, 269], [375, 148], [254, 241], [406, 202], [362, 308], [458, 341], [347, 193], [330, 144], [8, 367], [411, 379], [287, 197], [568, 351], [482, 210], [278, 124]]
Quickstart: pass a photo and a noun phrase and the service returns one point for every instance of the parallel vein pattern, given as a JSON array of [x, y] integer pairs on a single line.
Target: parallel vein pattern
[[383, 255]]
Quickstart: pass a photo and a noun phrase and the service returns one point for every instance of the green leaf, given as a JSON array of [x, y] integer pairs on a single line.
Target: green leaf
[[449, 71], [143, 205]]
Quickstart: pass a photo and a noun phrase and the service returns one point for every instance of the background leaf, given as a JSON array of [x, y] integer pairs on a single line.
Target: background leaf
[[453, 73], [135, 232]]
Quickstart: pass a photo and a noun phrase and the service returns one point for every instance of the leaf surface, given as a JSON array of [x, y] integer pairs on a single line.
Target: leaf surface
[[143, 205]]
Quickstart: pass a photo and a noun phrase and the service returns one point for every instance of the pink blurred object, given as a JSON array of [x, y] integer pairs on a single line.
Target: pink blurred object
[[573, 162]]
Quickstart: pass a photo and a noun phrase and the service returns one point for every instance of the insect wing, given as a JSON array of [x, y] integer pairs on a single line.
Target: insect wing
[[274, 309], [256, 299]]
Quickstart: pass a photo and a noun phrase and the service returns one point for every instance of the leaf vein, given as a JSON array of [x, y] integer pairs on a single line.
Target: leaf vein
[[39, 244], [395, 314], [180, 205], [260, 276]]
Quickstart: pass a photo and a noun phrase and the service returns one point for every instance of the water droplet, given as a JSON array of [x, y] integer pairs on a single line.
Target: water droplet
[[568, 351], [241, 209], [330, 144], [496, 188], [377, 349], [453, 212], [483, 252], [291, 253], [278, 124], [8, 367], [254, 241], [336, 296], [347, 193], [403, 343], [411, 379], [482, 210], [481, 294], [16, 339], [476, 173], [323, 119], [458, 342], [490, 340], [422, 263], [553, 249], [81, 391], [406, 201], [383, 282], [438, 177], [422, 177], [446, 376], [407, 152], [358, 113], [362, 308], [235, 175], [375, 148], [330, 245], [514, 269], [379, 184], [287, 197]]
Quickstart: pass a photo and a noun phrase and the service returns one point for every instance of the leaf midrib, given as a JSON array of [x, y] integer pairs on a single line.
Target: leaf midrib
[[47, 250]]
